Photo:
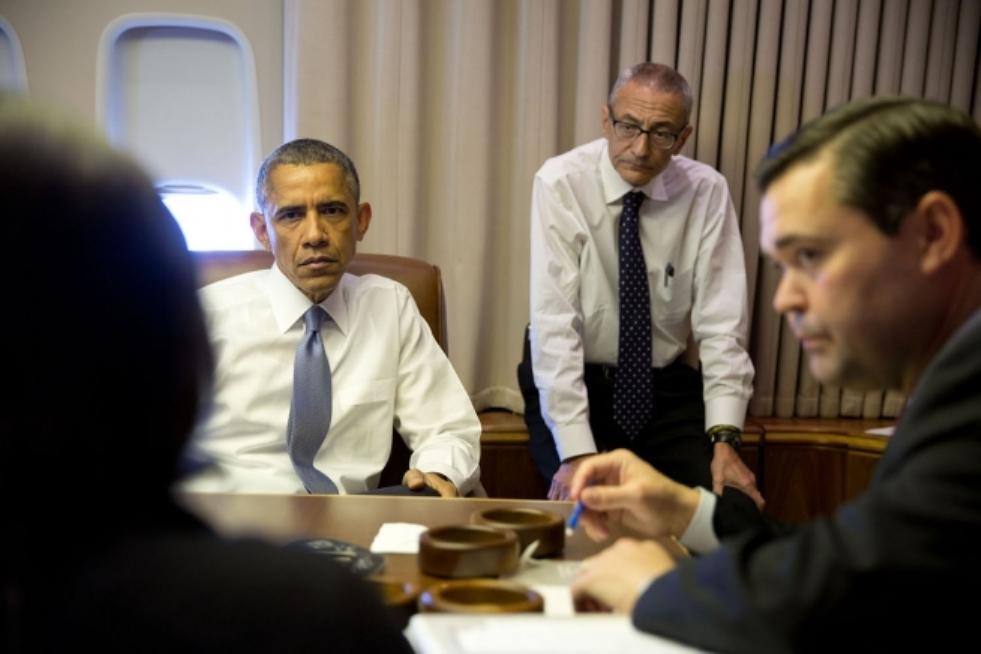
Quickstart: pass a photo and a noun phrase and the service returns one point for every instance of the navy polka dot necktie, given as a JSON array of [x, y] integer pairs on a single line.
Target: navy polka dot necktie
[[311, 405], [632, 402]]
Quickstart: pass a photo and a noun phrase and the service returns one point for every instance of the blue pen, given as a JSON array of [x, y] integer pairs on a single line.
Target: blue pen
[[573, 522]]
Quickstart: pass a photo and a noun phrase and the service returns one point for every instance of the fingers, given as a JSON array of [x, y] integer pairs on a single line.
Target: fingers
[[756, 496], [600, 469], [417, 480], [615, 577], [739, 475], [444, 487], [587, 604], [596, 525], [621, 505], [718, 482], [730, 470], [719, 467], [558, 490], [608, 498], [413, 479]]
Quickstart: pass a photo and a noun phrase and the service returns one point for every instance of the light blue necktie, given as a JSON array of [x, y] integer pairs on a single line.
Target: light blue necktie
[[310, 408], [632, 401]]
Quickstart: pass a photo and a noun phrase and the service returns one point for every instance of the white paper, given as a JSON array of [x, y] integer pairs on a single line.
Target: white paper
[[430, 633], [398, 538], [550, 579]]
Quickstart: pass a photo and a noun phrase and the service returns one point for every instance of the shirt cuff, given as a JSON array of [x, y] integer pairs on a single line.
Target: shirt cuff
[[574, 439], [726, 410], [699, 536]]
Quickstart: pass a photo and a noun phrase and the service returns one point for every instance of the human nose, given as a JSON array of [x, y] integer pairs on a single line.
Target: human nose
[[641, 144], [790, 296], [314, 233]]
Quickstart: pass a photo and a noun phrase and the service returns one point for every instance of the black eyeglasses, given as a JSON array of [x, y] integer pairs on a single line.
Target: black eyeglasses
[[627, 131]]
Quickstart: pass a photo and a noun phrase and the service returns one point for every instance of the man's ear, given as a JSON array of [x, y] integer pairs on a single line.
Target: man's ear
[[364, 219], [940, 230], [258, 223]]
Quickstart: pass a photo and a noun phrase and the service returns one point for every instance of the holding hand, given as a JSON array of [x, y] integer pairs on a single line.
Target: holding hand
[[620, 489]]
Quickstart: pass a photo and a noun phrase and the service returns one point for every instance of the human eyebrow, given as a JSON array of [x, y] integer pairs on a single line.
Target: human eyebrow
[[792, 241], [283, 211], [333, 206], [627, 118]]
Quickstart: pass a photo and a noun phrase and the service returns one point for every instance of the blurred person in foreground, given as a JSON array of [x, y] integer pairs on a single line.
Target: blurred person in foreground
[[104, 385], [872, 213]]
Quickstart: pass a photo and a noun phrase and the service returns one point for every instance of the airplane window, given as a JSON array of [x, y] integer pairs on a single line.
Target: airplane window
[[13, 74], [211, 218], [179, 92]]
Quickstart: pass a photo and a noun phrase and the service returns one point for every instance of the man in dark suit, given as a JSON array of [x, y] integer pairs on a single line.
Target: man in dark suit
[[872, 212], [107, 366]]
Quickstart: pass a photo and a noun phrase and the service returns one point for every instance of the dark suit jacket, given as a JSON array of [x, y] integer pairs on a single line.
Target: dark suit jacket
[[154, 579], [885, 571]]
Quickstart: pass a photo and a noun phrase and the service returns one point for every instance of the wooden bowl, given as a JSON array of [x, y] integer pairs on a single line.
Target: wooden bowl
[[480, 596], [468, 551], [399, 597], [546, 527]]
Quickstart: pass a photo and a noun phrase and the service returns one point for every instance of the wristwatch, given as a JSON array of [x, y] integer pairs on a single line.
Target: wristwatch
[[726, 434]]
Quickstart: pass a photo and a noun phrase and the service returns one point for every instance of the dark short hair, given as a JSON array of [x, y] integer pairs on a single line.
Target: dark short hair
[[889, 152], [105, 351], [306, 152], [663, 78]]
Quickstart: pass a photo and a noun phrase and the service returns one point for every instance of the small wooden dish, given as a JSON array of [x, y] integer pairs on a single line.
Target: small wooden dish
[[480, 596], [546, 527], [468, 551], [399, 597]]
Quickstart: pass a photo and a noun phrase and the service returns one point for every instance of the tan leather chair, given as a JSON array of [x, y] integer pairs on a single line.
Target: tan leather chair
[[422, 279]]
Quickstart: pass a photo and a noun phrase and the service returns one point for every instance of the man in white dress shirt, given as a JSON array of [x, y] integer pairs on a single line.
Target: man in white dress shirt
[[695, 279], [386, 368]]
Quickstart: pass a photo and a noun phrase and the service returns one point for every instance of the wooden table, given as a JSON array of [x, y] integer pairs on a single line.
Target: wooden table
[[356, 519]]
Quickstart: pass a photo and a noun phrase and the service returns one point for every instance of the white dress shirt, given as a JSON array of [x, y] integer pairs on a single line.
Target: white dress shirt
[[386, 368], [697, 277], [699, 535]]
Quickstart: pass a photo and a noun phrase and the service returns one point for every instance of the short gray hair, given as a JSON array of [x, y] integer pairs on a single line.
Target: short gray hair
[[305, 152], [661, 77]]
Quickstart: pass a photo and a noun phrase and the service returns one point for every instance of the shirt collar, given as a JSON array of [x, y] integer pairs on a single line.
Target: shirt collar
[[615, 187], [289, 303]]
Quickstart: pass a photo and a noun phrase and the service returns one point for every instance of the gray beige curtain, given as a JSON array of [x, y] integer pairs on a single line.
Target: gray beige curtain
[[448, 107]]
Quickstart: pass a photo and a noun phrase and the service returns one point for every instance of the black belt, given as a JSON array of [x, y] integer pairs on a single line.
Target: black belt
[[609, 372]]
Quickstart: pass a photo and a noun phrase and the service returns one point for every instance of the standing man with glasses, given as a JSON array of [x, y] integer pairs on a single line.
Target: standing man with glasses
[[634, 249]]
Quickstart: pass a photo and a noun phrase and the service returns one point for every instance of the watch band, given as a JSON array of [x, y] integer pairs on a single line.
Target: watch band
[[726, 434]]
